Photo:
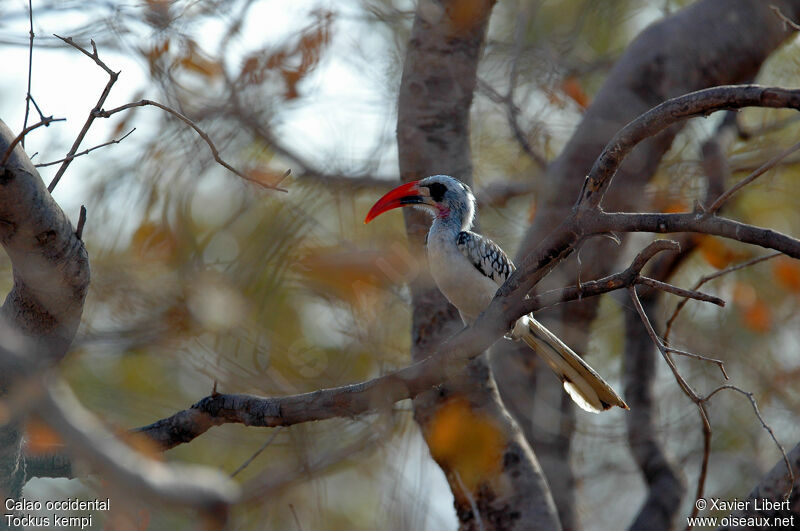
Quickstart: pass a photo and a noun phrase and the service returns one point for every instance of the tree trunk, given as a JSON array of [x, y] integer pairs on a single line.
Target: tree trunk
[[51, 277], [464, 420]]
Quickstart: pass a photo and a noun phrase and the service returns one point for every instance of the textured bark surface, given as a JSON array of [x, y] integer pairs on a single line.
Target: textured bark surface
[[711, 42], [438, 82], [773, 487], [51, 277]]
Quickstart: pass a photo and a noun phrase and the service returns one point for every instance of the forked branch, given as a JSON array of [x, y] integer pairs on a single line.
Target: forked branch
[[98, 112]]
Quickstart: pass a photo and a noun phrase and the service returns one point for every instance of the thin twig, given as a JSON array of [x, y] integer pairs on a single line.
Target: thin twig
[[591, 288], [257, 452], [30, 71], [112, 78], [685, 387], [91, 55], [81, 222], [36, 106], [700, 401], [45, 122], [710, 277], [185, 119], [98, 112], [787, 22], [719, 363], [699, 103], [296, 519], [688, 294], [771, 163], [87, 151], [701, 479], [512, 112], [766, 426]]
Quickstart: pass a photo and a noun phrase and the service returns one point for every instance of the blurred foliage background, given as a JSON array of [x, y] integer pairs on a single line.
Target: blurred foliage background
[[199, 277]]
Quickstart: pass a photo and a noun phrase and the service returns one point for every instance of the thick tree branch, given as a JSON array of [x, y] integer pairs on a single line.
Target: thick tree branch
[[37, 324], [699, 103], [377, 394], [699, 223], [345, 401], [587, 219], [51, 269]]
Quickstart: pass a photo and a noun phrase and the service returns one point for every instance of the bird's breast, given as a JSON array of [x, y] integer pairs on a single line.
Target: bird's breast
[[457, 278]]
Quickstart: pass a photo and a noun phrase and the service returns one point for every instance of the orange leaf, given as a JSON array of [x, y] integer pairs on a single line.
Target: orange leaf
[[572, 87], [716, 252], [265, 177], [41, 438], [154, 243], [674, 207], [201, 66], [198, 62], [465, 15], [466, 442], [292, 78], [787, 273], [178, 318], [744, 295], [532, 211], [757, 317], [250, 66], [350, 275]]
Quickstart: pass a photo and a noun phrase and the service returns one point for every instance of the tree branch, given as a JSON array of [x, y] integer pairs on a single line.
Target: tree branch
[[701, 223], [378, 393], [711, 277], [20, 138], [87, 151], [185, 119], [112, 78], [98, 112], [773, 487], [691, 49], [699, 103]]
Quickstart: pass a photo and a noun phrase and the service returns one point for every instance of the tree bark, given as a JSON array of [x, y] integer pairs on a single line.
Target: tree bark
[[711, 42], [436, 91], [51, 277], [773, 488]]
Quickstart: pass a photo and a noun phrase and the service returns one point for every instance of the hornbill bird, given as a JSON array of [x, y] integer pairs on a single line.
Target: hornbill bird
[[469, 268]]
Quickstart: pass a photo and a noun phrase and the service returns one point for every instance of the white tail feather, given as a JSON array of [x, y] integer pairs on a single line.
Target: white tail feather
[[580, 381]]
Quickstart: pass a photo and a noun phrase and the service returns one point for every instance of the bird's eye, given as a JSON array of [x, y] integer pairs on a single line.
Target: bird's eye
[[437, 191]]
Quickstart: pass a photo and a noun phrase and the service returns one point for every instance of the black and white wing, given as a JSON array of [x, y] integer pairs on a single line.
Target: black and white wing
[[485, 255]]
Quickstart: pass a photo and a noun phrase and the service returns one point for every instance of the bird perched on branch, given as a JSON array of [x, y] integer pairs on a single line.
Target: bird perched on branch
[[469, 268]]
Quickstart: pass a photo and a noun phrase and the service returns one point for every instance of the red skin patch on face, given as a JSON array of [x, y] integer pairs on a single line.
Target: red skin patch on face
[[443, 211]]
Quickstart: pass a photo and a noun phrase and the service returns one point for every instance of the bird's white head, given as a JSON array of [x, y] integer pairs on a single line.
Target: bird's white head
[[445, 198]]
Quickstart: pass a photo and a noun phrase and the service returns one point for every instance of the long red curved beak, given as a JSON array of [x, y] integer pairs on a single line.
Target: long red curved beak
[[403, 195]]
